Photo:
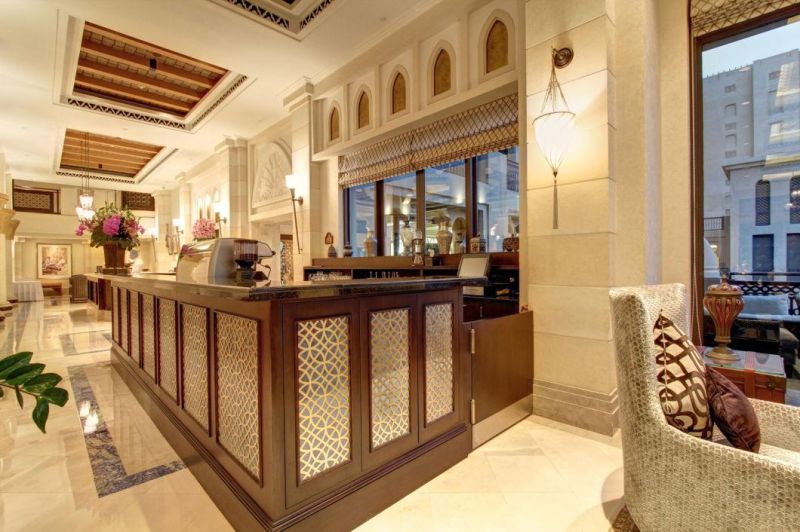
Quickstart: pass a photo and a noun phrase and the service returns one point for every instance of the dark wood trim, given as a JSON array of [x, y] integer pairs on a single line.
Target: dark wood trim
[[696, 139], [346, 211], [471, 185], [380, 219], [419, 223]]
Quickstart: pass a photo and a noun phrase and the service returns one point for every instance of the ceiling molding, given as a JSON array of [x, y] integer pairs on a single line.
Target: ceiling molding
[[293, 19]]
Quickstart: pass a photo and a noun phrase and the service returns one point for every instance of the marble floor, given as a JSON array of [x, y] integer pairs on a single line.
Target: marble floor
[[103, 464]]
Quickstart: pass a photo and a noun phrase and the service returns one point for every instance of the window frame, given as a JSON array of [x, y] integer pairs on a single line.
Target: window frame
[[697, 43], [470, 201]]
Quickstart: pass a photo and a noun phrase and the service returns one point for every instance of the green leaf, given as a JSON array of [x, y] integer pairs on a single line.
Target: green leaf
[[23, 374], [42, 382], [40, 413], [19, 396], [57, 396], [2, 393], [11, 362]]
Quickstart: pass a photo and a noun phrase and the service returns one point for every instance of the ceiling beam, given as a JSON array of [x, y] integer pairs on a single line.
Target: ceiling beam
[[94, 161], [114, 142], [130, 93], [87, 65], [156, 50], [75, 146], [100, 155], [79, 165], [93, 48]]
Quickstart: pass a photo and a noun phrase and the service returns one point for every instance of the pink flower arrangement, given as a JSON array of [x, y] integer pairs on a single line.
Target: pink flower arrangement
[[203, 228], [111, 225]]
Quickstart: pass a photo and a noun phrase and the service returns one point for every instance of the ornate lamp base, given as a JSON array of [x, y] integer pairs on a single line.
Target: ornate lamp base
[[723, 354]]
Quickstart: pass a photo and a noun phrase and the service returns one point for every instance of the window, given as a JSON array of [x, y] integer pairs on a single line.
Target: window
[[362, 216], [36, 199], [497, 190], [398, 93], [776, 132], [496, 47], [446, 206], [333, 125], [762, 203], [763, 253], [730, 153], [399, 213], [793, 252], [774, 104], [730, 109], [442, 73], [775, 74], [730, 88], [730, 141], [730, 125], [362, 116], [794, 200]]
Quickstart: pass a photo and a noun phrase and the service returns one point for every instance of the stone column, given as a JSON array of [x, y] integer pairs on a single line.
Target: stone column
[[571, 269], [164, 216], [185, 208]]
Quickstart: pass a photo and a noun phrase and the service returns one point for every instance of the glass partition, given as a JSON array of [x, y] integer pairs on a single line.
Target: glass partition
[[497, 178], [446, 207], [399, 213], [362, 216]]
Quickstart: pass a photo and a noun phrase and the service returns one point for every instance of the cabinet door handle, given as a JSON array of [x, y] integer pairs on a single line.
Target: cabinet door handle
[[472, 341], [771, 385]]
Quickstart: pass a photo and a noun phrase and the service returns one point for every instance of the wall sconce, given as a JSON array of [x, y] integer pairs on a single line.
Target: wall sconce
[[291, 184], [555, 123], [219, 219], [173, 239]]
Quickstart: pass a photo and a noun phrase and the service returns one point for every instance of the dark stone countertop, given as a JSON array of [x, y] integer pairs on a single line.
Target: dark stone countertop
[[263, 291]]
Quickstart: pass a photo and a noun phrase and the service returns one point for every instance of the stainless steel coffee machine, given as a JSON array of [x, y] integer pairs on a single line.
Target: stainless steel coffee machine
[[212, 261]]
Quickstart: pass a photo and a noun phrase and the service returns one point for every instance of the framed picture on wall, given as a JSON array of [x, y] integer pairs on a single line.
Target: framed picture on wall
[[54, 261]]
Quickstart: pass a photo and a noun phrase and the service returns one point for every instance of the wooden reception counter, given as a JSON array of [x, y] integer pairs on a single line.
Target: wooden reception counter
[[305, 407]]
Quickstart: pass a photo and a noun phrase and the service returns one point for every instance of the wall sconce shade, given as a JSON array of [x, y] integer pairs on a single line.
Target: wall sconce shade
[[291, 184], [554, 127]]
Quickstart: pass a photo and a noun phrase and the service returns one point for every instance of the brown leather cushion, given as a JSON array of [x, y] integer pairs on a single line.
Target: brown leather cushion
[[732, 412]]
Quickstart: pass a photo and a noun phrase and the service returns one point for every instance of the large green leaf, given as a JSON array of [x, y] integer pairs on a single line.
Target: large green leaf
[[23, 374], [57, 396], [19, 395], [40, 413], [41, 382], [11, 362]]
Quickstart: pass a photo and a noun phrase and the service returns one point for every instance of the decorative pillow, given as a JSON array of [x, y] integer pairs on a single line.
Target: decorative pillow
[[682, 380], [732, 412]]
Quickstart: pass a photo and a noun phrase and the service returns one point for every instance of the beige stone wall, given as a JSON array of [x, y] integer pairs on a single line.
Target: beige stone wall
[[624, 208]]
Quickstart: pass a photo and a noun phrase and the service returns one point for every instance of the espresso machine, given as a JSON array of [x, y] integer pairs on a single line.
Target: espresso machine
[[224, 259]]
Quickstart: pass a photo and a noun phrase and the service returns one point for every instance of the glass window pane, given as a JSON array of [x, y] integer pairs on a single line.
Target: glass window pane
[[400, 213], [498, 196], [750, 162], [362, 216], [445, 206]]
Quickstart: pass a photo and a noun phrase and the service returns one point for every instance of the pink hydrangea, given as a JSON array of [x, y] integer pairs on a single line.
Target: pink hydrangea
[[82, 227], [203, 228], [111, 225]]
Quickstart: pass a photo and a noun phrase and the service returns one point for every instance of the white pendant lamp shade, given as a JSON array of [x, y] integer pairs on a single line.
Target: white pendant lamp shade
[[554, 134]]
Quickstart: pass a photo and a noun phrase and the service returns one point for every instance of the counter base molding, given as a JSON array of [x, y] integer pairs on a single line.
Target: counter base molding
[[297, 414]]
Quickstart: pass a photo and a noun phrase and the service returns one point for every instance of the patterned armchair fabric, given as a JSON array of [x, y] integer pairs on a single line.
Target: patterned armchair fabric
[[674, 481]]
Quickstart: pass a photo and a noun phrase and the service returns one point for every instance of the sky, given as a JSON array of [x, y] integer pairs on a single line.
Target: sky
[[743, 52]]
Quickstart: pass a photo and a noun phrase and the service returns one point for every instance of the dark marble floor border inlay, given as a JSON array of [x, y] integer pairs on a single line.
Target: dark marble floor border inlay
[[68, 343], [109, 472]]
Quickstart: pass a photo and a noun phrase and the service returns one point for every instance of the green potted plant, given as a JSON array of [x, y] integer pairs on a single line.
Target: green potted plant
[[18, 374], [116, 231]]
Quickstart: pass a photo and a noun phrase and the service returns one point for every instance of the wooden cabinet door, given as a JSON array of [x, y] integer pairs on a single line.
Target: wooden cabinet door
[[502, 362], [389, 391], [442, 404], [323, 408]]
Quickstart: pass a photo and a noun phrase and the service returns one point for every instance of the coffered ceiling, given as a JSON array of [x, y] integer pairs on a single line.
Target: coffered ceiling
[[87, 67], [82, 150]]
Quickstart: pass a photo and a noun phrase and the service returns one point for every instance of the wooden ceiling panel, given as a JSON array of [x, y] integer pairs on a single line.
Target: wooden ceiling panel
[[114, 155], [124, 69]]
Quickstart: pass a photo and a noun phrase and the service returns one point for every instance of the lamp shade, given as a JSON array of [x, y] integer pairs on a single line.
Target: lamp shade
[[554, 134], [291, 181]]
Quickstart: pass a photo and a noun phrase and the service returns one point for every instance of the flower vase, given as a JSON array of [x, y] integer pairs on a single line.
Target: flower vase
[[370, 244], [114, 256], [406, 237], [444, 237]]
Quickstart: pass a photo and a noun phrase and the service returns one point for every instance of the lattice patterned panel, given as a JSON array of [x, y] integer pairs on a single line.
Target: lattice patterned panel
[[438, 361], [123, 319], [138, 201], [323, 395], [167, 341], [115, 314], [238, 419], [390, 375], [194, 331], [712, 15], [149, 334], [135, 328]]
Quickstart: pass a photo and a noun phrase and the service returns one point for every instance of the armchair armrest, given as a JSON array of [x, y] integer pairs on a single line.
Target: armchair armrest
[[780, 424]]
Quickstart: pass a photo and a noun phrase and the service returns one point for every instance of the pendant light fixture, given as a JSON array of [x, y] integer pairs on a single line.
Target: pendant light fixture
[[555, 123], [85, 193]]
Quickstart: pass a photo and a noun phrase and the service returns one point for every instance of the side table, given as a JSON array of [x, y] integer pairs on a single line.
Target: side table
[[758, 375]]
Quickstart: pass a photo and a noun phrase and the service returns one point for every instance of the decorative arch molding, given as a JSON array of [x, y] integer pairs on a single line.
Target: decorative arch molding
[[498, 15], [363, 115], [333, 124], [392, 110], [271, 161], [441, 46]]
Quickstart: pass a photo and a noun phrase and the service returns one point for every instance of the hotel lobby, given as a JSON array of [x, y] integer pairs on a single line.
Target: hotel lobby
[[423, 265]]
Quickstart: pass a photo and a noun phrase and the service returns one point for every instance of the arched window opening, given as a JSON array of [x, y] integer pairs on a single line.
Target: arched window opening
[[496, 47], [442, 73]]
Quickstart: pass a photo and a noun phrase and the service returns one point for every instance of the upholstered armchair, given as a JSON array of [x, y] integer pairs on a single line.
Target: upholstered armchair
[[674, 481]]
